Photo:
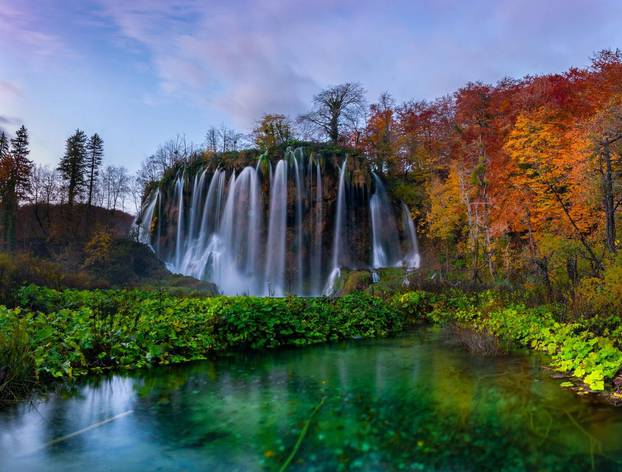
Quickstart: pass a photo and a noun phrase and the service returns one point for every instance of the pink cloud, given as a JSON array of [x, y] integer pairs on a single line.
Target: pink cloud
[[20, 28], [8, 89]]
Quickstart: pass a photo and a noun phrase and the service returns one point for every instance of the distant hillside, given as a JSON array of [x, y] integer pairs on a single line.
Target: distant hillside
[[63, 247], [44, 230]]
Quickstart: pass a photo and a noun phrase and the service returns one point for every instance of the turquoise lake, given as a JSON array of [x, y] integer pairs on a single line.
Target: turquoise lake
[[410, 403]]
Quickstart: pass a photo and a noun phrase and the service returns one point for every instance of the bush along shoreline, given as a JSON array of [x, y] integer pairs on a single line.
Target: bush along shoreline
[[587, 353], [64, 335], [68, 334]]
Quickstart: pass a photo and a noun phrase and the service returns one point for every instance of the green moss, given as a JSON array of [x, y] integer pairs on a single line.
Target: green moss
[[356, 281]]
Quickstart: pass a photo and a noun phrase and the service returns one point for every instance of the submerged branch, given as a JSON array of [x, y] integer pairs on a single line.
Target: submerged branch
[[302, 435]]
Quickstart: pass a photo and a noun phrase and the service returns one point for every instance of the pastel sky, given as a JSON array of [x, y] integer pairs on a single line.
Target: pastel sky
[[141, 71]]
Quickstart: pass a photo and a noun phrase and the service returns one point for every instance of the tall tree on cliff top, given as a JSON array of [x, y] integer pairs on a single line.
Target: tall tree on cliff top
[[380, 140], [272, 130], [93, 161], [72, 166], [337, 111], [15, 170]]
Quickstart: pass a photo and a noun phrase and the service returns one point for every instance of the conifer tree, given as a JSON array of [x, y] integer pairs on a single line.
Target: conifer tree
[[22, 166], [4, 144], [94, 155], [72, 165], [5, 169], [15, 170]]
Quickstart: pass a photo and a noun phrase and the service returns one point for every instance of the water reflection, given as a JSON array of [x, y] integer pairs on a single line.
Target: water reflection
[[410, 403]]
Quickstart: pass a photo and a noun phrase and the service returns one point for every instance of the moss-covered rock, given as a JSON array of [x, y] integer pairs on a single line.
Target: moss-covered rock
[[355, 281]]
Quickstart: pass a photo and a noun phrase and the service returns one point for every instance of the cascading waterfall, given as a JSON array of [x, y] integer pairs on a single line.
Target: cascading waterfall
[[277, 232], [232, 250], [317, 248], [385, 240], [299, 229], [210, 220], [197, 195], [413, 258], [272, 231], [146, 215], [335, 271], [180, 242]]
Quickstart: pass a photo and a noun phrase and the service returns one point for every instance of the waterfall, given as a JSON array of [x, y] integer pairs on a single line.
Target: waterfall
[[277, 227], [385, 239], [225, 244], [146, 218], [231, 254], [317, 251], [255, 226], [197, 197], [239, 230], [186, 263], [413, 258], [211, 208], [299, 228], [337, 237], [180, 243], [159, 235]]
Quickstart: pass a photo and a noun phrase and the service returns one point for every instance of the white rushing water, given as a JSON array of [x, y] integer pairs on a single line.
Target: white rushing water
[[317, 247], [144, 219], [338, 250], [385, 238], [277, 233], [226, 229], [412, 260]]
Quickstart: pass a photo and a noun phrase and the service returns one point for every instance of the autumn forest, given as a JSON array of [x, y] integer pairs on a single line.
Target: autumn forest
[[517, 181]]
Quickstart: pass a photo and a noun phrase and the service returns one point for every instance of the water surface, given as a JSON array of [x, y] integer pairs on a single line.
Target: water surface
[[411, 403]]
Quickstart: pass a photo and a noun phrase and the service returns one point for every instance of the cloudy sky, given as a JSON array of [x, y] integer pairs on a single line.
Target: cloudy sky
[[141, 71]]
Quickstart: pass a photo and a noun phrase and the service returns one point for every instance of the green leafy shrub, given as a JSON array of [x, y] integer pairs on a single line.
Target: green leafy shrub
[[573, 347], [74, 332], [16, 359], [588, 349], [71, 333], [415, 305]]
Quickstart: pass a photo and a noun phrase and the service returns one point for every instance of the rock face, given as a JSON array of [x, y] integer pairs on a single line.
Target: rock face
[[276, 225]]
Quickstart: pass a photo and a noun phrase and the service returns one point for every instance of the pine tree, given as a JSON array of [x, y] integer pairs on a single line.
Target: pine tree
[[5, 172], [15, 170], [22, 166], [72, 165], [95, 152], [4, 145]]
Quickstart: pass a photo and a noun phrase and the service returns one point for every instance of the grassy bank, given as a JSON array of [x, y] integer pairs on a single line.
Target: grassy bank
[[71, 333]]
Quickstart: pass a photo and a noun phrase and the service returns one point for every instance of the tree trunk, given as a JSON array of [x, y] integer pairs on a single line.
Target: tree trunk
[[543, 267], [596, 262], [10, 221], [334, 129], [608, 200], [91, 185]]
